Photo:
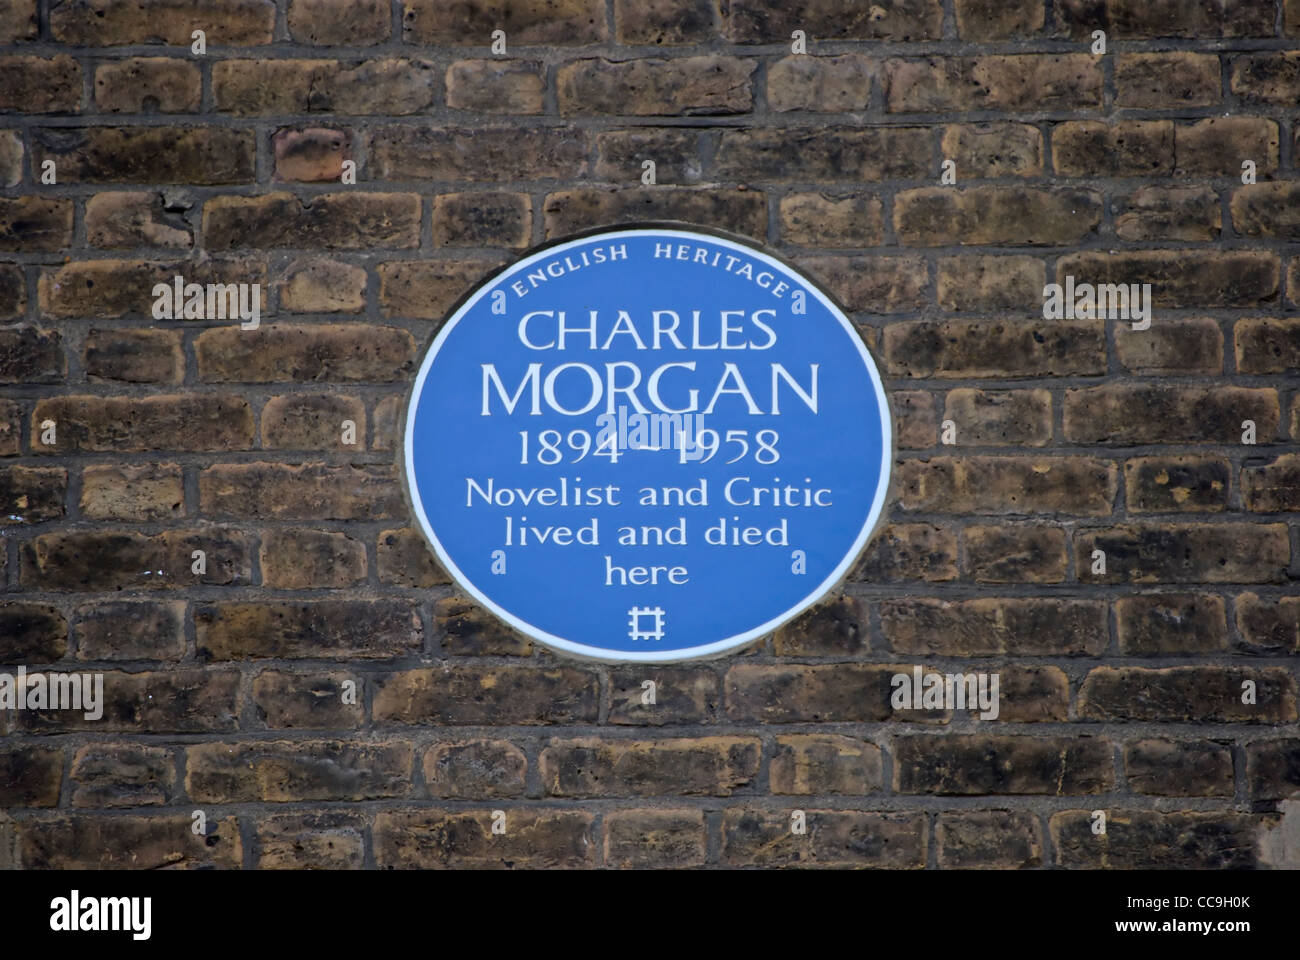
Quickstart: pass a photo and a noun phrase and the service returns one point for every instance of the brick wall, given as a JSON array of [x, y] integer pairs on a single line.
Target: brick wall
[[1121, 691]]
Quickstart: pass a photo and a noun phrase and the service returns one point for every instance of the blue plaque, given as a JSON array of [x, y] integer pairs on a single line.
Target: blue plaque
[[648, 444]]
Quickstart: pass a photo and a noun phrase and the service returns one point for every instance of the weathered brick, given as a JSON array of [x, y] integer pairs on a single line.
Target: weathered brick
[[537, 838], [333, 221], [1163, 80], [233, 23], [491, 154], [1131, 19], [976, 764], [1269, 625], [818, 764], [348, 353], [1007, 485], [1271, 77], [167, 701], [741, 211], [663, 21], [995, 215], [1161, 624], [1128, 148], [982, 150], [29, 354], [1000, 417], [1179, 768], [35, 224], [820, 84], [1183, 278], [1267, 210], [328, 841], [801, 693], [131, 492], [1128, 414], [318, 285], [279, 771], [307, 701], [1139, 839], [979, 282], [909, 551], [31, 494], [765, 21], [11, 427], [1267, 345], [475, 769], [709, 85], [525, 22], [148, 85], [872, 284], [134, 218], [1216, 146], [822, 220], [482, 220], [478, 695], [1171, 347], [834, 838], [313, 421], [497, 86], [115, 288], [1019, 554], [836, 626], [11, 157], [983, 839], [404, 558], [115, 560], [1272, 487], [311, 155], [346, 22], [986, 348], [147, 155], [307, 491], [1166, 484], [315, 629], [134, 356], [131, 630], [1014, 83], [40, 84], [194, 421], [389, 87], [294, 559], [467, 629], [18, 21], [1187, 695], [824, 154], [1186, 553], [988, 626], [100, 842], [30, 776], [590, 767], [107, 775], [33, 632], [644, 839], [916, 420], [681, 695], [427, 289], [1273, 769], [675, 151]]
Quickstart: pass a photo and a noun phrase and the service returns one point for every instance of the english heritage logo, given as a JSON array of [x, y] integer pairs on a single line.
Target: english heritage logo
[[527, 474]]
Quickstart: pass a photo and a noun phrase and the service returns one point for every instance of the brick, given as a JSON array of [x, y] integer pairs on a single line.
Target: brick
[[646, 839], [110, 775], [1079, 486], [404, 559], [308, 491], [1271, 77], [389, 87], [915, 419], [1130, 19], [148, 85], [1000, 417], [988, 150], [995, 215], [115, 288], [816, 764], [655, 22], [326, 841], [40, 84], [35, 224], [11, 157], [497, 86], [1183, 278], [1033, 695], [106, 23], [486, 695], [29, 354], [147, 155], [1129, 148], [278, 771], [764, 21], [1267, 345], [824, 154], [344, 22], [348, 353], [1015, 83], [312, 421], [1161, 624], [33, 632], [1267, 210], [103, 560], [1179, 768], [802, 693], [134, 356], [989, 839], [909, 551], [681, 695], [482, 220], [822, 220], [526, 22], [1165, 80], [998, 19], [1164, 484], [467, 629], [988, 626], [819, 84], [152, 842], [18, 21], [676, 152], [590, 767], [741, 211], [1148, 839], [131, 630], [475, 769], [311, 155], [980, 282], [872, 284], [537, 838], [195, 421], [1187, 553], [963, 765], [1019, 554], [171, 701], [836, 626], [1272, 487], [428, 289], [311, 559], [1210, 694], [315, 629], [491, 154], [1216, 146], [708, 85], [1269, 625], [31, 494], [1129, 414], [1171, 347], [1273, 769], [30, 776], [834, 838], [11, 427], [307, 701], [134, 218], [319, 285], [134, 493], [333, 221]]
